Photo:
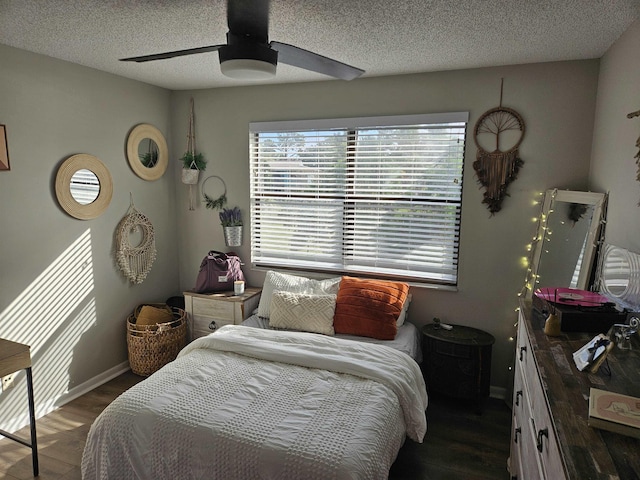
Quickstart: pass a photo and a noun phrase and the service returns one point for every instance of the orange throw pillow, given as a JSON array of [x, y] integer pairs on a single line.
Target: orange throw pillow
[[369, 308]]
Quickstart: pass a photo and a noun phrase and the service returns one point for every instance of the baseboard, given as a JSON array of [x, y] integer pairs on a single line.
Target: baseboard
[[42, 409], [497, 392], [89, 385]]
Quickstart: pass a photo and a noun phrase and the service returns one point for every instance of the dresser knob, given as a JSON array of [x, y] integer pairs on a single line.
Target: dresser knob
[[542, 433], [213, 326]]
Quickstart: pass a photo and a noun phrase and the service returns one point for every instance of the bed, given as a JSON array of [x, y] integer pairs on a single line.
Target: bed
[[247, 402]]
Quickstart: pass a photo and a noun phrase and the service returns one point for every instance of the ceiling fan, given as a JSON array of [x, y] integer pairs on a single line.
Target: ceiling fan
[[248, 54]]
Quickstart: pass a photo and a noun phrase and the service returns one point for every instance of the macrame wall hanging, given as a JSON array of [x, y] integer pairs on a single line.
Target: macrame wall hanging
[[498, 168], [193, 163], [637, 156], [135, 261]]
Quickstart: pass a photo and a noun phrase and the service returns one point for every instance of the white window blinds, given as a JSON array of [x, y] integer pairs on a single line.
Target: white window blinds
[[378, 196]]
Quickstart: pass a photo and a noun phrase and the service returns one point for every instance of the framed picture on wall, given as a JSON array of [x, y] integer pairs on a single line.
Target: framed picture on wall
[[4, 149]]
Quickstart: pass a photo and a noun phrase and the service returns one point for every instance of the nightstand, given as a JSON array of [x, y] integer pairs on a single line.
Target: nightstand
[[206, 312], [457, 362]]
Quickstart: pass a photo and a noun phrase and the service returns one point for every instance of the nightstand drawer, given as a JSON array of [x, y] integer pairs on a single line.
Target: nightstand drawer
[[205, 325], [209, 324], [218, 309]]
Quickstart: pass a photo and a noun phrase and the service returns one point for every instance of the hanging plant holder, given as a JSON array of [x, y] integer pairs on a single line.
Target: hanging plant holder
[[193, 163], [233, 236], [497, 169], [190, 176]]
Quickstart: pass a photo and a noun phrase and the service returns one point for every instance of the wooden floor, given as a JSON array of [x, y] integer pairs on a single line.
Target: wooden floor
[[459, 444]]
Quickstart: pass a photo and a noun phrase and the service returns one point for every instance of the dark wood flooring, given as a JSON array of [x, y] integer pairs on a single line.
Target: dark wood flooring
[[460, 444]]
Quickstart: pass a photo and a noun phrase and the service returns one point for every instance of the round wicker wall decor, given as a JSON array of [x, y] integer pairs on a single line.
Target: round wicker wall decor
[[64, 177]]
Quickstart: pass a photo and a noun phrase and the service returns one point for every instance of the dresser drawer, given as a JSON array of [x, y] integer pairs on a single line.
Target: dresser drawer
[[538, 456], [213, 308]]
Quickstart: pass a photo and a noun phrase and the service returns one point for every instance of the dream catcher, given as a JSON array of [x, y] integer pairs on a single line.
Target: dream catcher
[[637, 156], [135, 261], [498, 168]]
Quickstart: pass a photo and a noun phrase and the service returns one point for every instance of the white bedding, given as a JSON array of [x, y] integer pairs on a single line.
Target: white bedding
[[248, 403], [408, 339]]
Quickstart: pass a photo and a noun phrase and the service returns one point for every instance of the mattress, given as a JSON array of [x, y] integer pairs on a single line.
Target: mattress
[[408, 339], [247, 403]]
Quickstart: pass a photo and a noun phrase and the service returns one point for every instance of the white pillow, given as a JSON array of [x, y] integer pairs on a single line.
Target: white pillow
[[302, 311], [403, 313], [295, 284]]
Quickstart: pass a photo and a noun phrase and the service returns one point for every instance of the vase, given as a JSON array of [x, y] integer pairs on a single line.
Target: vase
[[233, 236], [190, 176]]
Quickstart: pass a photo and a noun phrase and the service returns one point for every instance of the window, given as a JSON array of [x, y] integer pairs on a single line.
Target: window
[[378, 196]]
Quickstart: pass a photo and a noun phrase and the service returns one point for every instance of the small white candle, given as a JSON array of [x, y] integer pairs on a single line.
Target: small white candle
[[238, 287]]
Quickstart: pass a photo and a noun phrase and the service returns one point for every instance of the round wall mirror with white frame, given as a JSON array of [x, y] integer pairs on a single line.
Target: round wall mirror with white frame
[[84, 186], [147, 152]]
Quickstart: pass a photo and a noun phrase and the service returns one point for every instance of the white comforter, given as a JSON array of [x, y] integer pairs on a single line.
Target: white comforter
[[247, 403]]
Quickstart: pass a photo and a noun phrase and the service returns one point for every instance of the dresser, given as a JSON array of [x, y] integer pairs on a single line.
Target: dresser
[[206, 312], [550, 438]]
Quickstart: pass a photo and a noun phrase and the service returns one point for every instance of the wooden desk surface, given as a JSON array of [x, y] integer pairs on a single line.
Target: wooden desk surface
[[588, 453], [13, 357]]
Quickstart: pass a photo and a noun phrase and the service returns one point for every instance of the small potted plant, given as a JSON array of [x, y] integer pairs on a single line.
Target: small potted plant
[[231, 221], [192, 164]]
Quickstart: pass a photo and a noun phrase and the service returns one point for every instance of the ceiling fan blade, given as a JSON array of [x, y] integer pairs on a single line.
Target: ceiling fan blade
[[177, 53], [249, 18], [299, 57]]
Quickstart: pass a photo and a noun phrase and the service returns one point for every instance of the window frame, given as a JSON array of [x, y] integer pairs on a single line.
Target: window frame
[[356, 124]]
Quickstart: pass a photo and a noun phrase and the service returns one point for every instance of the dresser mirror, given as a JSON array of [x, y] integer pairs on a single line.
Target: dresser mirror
[[565, 245], [619, 276], [83, 186], [147, 152]]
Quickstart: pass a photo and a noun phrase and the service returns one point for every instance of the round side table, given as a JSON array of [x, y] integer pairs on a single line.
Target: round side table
[[457, 362]]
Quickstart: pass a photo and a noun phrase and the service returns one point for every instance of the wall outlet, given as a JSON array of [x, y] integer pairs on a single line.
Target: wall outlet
[[7, 382]]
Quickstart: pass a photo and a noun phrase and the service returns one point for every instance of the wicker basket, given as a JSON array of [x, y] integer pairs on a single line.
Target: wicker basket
[[153, 346]]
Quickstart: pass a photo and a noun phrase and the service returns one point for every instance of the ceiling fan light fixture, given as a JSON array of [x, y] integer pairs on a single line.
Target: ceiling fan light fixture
[[248, 62], [247, 69]]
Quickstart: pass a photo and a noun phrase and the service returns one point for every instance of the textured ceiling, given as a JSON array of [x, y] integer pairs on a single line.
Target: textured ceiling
[[382, 37]]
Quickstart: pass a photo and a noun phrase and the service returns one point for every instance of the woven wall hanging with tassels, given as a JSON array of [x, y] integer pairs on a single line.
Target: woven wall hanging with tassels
[[498, 168], [637, 156], [135, 261]]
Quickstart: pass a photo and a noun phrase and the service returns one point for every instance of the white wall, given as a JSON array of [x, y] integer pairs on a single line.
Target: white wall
[[613, 166], [59, 290], [54, 109], [556, 101]]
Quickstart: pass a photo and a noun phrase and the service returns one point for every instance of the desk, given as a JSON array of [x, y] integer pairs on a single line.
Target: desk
[[14, 357], [457, 362]]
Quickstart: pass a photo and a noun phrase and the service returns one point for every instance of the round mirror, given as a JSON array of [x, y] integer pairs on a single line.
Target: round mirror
[[83, 186], [147, 152]]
